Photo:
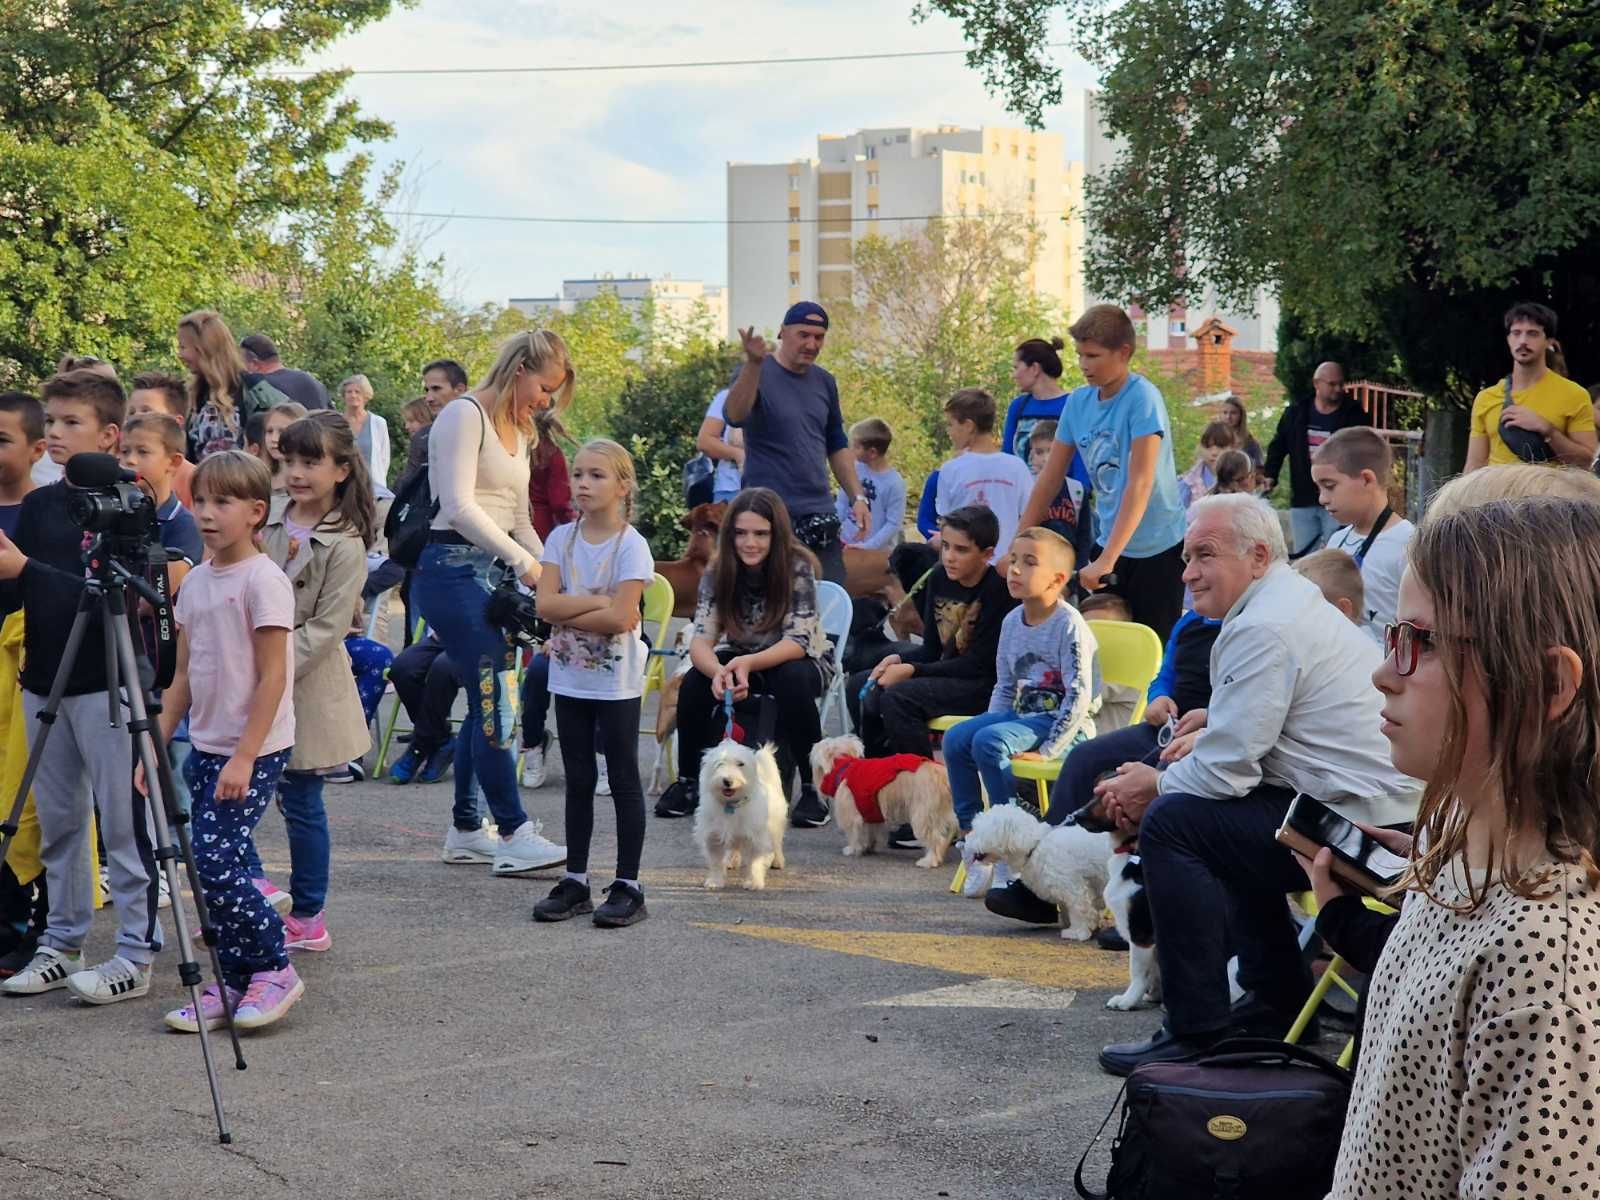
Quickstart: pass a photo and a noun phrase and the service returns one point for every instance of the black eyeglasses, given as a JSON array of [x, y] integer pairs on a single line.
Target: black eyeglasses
[[1404, 642]]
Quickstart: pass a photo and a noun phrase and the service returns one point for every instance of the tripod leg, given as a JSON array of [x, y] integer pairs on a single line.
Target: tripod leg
[[145, 747], [47, 722]]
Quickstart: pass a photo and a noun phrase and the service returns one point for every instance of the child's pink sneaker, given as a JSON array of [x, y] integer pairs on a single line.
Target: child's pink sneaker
[[306, 933], [269, 996], [280, 900], [183, 1019]]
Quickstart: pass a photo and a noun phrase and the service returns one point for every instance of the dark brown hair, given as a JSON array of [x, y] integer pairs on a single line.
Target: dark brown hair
[[236, 475], [1104, 325], [975, 405], [169, 386], [326, 434], [29, 412], [1357, 449], [775, 579], [1235, 473], [91, 386], [1036, 352]]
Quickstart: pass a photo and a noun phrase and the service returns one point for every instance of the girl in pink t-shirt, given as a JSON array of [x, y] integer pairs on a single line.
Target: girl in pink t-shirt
[[241, 725]]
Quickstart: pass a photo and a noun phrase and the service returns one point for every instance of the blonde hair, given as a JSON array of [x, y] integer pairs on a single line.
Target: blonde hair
[[167, 429], [235, 475], [1544, 552], [1336, 573], [220, 377], [418, 410], [621, 464], [362, 385], [1512, 481], [531, 351]]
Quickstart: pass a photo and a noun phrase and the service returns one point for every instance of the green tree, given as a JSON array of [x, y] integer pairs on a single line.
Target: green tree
[[1399, 169]]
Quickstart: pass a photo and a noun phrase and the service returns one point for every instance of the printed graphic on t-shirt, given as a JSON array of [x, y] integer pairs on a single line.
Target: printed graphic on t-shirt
[[869, 488], [1040, 687], [956, 620], [1104, 463], [1022, 442], [581, 650]]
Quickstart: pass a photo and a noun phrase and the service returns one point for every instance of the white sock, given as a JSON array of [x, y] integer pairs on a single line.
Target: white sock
[[583, 879], [634, 884]]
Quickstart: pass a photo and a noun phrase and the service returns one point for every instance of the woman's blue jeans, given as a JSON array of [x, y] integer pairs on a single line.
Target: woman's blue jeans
[[305, 820], [450, 589], [981, 748]]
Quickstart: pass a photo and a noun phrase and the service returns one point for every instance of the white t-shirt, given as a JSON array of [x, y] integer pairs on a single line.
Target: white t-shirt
[[219, 609], [998, 481], [726, 478], [1380, 569], [597, 666]]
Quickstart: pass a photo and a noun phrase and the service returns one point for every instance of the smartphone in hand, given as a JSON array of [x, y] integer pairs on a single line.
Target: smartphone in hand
[[1358, 859]]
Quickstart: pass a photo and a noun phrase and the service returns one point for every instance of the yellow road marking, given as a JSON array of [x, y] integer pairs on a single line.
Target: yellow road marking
[[1045, 961]]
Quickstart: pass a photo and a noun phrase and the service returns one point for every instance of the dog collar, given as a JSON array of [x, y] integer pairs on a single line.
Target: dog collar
[[830, 781]]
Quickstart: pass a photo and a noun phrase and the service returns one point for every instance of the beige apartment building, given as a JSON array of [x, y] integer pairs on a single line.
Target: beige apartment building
[[793, 226]]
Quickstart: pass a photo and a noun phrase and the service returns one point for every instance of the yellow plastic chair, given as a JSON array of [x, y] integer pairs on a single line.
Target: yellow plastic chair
[[944, 725], [1129, 655], [659, 601], [1330, 978]]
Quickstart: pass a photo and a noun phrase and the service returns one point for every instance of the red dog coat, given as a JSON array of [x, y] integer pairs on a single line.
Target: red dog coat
[[867, 777]]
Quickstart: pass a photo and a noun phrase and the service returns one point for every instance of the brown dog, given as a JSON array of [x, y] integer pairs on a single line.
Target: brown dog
[[703, 522]]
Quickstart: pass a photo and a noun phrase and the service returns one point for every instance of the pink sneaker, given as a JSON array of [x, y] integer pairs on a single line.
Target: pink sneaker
[[269, 996], [306, 933], [183, 1019], [280, 900]]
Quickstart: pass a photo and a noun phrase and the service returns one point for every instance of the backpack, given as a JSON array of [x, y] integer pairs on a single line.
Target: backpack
[[259, 396], [411, 515]]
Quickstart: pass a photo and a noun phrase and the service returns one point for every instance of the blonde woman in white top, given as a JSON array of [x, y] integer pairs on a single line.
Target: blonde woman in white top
[[478, 472], [371, 430]]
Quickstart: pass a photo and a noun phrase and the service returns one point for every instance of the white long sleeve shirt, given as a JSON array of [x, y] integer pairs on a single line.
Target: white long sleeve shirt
[[482, 490]]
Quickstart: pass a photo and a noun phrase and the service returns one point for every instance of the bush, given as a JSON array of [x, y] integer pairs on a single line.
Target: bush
[[657, 418]]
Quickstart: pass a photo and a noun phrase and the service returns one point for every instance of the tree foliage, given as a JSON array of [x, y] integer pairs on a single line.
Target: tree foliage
[[1399, 169]]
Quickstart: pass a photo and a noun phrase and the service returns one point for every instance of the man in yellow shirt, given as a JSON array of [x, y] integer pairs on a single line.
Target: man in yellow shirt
[[1550, 408]]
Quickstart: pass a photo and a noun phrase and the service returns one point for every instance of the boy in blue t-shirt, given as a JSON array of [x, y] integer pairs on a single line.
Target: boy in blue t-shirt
[[1118, 423]]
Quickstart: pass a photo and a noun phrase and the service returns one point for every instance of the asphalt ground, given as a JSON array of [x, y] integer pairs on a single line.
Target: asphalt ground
[[854, 1030]]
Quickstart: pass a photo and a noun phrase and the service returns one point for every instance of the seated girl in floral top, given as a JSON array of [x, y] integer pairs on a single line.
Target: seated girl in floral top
[[756, 630]]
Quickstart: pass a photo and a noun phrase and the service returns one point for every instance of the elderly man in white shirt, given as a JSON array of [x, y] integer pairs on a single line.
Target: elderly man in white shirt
[[1292, 710]]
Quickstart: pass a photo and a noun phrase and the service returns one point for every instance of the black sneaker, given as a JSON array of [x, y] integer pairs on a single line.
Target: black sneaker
[[680, 799], [1018, 901], [623, 905], [905, 838], [810, 810], [567, 899], [1109, 939]]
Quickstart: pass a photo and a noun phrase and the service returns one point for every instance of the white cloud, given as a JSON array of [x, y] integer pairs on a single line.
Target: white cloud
[[636, 143]]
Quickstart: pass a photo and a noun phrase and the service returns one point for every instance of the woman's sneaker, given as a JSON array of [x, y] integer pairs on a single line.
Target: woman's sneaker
[[535, 764], [184, 1020], [404, 768], [269, 996], [623, 905], [680, 799], [567, 899], [274, 895], [469, 846], [45, 972], [306, 933], [113, 980], [526, 851]]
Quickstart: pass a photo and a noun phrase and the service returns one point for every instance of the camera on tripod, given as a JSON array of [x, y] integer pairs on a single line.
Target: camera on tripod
[[515, 612], [107, 500]]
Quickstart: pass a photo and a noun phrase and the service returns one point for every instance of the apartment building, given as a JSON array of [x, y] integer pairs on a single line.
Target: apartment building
[[678, 303]]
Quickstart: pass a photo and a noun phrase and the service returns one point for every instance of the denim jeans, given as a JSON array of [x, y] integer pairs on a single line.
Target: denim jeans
[[1311, 527], [450, 589], [305, 820], [981, 749], [1090, 759]]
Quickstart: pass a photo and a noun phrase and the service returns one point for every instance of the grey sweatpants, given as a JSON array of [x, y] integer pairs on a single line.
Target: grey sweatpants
[[86, 760]]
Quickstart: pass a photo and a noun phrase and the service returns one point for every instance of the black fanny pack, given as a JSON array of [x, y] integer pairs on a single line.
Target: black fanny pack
[[1524, 443], [817, 531]]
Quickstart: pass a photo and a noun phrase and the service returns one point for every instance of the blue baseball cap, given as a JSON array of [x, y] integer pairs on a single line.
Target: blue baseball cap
[[807, 312]]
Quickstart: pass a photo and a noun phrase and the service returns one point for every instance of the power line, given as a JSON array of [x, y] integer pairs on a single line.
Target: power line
[[521, 220], [658, 66]]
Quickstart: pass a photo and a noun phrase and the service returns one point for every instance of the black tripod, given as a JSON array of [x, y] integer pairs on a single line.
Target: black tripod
[[105, 589]]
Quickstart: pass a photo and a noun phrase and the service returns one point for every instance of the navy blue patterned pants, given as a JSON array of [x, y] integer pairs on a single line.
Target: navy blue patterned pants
[[249, 932]]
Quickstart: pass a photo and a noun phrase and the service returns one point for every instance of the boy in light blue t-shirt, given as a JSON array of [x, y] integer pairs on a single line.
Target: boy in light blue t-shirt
[[1118, 422], [881, 484]]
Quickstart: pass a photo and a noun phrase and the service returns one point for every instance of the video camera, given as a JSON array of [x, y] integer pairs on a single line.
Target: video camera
[[108, 501], [515, 612]]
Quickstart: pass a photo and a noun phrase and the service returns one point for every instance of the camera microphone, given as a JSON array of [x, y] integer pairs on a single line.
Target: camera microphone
[[97, 471]]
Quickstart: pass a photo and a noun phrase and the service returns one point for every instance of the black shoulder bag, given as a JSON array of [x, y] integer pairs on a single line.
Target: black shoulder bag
[[405, 530], [1524, 443]]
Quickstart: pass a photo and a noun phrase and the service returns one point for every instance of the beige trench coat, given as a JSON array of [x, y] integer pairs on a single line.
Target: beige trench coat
[[327, 575]]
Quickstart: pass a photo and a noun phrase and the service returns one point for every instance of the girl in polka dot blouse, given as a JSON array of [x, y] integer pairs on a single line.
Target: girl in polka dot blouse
[[1480, 1066]]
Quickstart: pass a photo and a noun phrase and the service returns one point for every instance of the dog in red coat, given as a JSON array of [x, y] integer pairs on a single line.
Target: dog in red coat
[[872, 796]]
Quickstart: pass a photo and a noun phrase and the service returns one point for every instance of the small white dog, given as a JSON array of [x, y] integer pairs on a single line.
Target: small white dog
[[916, 792], [742, 814]]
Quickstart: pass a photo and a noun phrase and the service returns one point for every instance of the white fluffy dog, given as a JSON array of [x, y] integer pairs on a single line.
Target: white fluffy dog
[[742, 814], [919, 798]]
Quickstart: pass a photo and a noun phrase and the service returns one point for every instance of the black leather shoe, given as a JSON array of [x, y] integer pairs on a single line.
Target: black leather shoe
[[1161, 1046], [1258, 1019], [1017, 901], [1109, 939], [680, 799]]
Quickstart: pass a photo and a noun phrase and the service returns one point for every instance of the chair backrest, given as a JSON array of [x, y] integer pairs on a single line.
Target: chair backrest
[[658, 605], [1130, 655], [835, 612]]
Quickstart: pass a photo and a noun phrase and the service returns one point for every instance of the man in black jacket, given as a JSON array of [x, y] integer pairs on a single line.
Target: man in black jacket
[[1302, 428]]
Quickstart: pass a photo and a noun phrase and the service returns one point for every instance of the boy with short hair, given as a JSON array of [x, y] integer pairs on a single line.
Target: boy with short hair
[[1118, 422], [159, 392], [1339, 579], [981, 473], [1039, 443], [962, 606], [1351, 470], [881, 484], [1047, 685], [82, 759], [21, 445], [153, 445]]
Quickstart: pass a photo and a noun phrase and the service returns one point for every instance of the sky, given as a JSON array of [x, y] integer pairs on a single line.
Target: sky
[[636, 143]]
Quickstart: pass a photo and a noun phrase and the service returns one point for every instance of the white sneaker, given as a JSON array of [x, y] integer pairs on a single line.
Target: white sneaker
[[47, 972], [976, 883], [525, 851], [602, 783], [113, 980], [165, 900], [534, 766], [467, 846]]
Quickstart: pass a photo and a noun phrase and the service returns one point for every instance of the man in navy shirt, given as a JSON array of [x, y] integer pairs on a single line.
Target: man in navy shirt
[[788, 408]]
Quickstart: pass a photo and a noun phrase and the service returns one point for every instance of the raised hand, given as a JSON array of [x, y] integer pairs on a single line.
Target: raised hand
[[755, 346]]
